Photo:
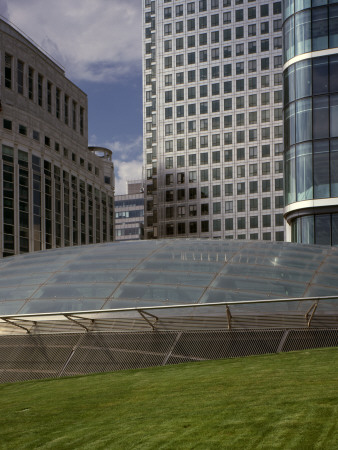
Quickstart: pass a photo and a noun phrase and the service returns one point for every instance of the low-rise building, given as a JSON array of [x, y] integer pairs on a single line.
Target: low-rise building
[[129, 212]]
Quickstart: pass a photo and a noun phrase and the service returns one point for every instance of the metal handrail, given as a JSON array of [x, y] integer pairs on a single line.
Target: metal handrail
[[166, 307]]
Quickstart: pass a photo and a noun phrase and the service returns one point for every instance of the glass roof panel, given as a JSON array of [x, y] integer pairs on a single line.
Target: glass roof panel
[[100, 276], [159, 293], [60, 305], [76, 291], [102, 265], [17, 293], [326, 280], [178, 265], [24, 279], [276, 272], [221, 295], [272, 287], [12, 307], [166, 277]]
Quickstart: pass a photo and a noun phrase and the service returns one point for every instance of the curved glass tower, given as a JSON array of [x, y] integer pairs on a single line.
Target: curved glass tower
[[310, 33]]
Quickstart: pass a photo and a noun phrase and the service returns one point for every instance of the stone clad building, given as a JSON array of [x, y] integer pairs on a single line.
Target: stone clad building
[[55, 191]]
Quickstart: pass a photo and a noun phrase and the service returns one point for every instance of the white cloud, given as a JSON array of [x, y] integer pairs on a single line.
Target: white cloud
[[95, 40], [126, 171], [127, 159]]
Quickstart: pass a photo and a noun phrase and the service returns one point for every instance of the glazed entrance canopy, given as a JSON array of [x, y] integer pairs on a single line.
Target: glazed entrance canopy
[[164, 272]]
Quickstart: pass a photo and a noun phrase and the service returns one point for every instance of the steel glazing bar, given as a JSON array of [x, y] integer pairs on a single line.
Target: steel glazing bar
[[15, 324], [312, 310], [67, 316], [143, 315]]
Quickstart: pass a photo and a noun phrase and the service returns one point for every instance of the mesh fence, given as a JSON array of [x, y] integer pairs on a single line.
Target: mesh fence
[[27, 357]]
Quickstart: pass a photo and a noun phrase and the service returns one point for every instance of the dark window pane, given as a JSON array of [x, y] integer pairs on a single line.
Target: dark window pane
[[333, 26], [321, 169], [334, 167], [321, 117], [320, 75], [323, 229], [334, 115], [320, 28], [333, 74]]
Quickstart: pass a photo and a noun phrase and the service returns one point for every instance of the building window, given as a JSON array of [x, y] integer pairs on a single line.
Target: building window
[[20, 69], [7, 124], [40, 89]]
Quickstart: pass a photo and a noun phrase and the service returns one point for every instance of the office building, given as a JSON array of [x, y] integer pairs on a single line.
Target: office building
[[311, 121], [55, 191], [213, 128], [129, 212]]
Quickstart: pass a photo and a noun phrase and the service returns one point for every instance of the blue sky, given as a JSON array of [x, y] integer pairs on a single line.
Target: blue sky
[[99, 43]]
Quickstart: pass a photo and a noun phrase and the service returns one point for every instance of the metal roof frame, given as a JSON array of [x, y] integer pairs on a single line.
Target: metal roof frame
[[310, 312]]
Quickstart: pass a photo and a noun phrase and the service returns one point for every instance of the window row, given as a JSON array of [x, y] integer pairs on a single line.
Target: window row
[[311, 30], [293, 6], [203, 192], [203, 23], [311, 77], [215, 105], [190, 76], [204, 5], [319, 229], [66, 154], [229, 225], [263, 45], [179, 60], [240, 136], [215, 174], [239, 68], [240, 119], [311, 171], [43, 92], [311, 118], [241, 154], [204, 209], [216, 90], [229, 155]]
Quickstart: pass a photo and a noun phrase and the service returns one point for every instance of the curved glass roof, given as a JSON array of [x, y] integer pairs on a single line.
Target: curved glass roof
[[164, 272]]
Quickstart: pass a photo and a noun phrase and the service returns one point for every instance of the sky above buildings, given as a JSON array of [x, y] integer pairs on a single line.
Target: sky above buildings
[[99, 44]]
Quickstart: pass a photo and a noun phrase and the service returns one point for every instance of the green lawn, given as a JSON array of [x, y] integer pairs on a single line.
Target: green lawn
[[289, 400]]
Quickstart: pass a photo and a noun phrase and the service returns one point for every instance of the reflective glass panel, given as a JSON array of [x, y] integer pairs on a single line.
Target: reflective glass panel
[[303, 32], [320, 28], [304, 171], [320, 68], [320, 117], [304, 120], [321, 169]]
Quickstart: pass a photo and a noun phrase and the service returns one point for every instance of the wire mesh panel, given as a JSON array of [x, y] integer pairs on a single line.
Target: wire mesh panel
[[33, 357], [201, 345], [49, 356], [310, 338], [104, 352]]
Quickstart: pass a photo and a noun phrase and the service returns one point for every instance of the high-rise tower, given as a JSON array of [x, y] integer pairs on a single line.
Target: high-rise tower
[[213, 139], [311, 121]]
